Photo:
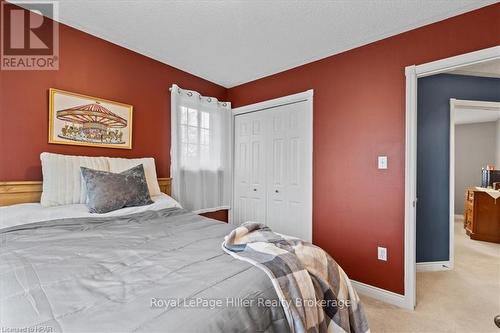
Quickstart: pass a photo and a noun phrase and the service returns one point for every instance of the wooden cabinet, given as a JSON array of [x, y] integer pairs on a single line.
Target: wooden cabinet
[[482, 216]]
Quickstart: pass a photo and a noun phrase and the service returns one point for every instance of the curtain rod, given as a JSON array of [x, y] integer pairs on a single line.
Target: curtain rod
[[199, 96]]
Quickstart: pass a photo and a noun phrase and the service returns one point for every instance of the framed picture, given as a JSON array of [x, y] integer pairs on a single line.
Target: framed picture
[[76, 119]]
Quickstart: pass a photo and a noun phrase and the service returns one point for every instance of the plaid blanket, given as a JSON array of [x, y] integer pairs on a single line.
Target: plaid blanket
[[314, 291]]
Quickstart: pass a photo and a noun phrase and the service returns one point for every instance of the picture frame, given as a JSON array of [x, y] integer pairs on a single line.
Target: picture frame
[[77, 119]]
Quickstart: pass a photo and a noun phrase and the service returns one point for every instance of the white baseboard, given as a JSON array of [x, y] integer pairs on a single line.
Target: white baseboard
[[434, 266], [380, 294]]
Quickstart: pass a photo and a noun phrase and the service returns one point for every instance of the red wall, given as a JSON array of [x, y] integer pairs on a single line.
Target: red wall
[[91, 66], [359, 113]]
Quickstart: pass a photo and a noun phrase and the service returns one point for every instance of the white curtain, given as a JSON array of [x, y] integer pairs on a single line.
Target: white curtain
[[201, 156]]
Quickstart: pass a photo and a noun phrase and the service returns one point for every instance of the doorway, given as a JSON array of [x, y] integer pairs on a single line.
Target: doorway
[[474, 149], [413, 73]]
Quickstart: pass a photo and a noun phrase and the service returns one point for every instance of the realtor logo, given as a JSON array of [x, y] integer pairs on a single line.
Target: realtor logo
[[30, 39]]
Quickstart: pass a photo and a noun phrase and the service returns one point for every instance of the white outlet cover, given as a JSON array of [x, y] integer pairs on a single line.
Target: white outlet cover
[[382, 162], [382, 253]]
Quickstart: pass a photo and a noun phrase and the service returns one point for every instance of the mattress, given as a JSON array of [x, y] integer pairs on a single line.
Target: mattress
[[147, 271], [35, 212]]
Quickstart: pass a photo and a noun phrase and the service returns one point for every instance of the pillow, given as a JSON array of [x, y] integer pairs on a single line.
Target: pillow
[[108, 191], [120, 164], [62, 180]]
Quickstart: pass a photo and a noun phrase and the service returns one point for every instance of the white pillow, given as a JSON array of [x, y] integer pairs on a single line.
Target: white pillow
[[62, 179], [117, 165]]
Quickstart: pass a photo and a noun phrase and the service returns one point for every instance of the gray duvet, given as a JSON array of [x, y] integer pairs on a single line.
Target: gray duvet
[[157, 271]]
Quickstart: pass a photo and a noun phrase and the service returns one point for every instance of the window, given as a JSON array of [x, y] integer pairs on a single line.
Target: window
[[195, 136], [201, 155]]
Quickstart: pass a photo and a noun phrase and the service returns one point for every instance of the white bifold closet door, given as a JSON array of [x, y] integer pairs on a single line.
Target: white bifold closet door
[[273, 169], [250, 168]]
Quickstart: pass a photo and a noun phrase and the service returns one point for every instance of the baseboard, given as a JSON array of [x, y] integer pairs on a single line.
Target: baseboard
[[379, 294], [434, 266]]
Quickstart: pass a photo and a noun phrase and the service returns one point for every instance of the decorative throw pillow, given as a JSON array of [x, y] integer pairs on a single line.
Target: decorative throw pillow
[[121, 164], [109, 191]]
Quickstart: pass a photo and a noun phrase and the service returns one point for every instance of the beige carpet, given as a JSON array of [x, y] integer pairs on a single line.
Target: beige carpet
[[465, 299]]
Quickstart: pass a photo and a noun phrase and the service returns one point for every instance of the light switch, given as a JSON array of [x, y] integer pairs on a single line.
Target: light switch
[[382, 253], [382, 162]]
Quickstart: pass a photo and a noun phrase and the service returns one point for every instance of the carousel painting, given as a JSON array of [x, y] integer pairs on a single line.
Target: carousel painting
[[76, 119]]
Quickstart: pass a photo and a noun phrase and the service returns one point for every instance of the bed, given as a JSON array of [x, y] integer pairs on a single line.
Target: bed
[[148, 268], [141, 269]]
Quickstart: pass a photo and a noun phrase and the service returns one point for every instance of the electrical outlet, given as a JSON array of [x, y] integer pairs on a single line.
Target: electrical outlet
[[382, 162], [382, 253]]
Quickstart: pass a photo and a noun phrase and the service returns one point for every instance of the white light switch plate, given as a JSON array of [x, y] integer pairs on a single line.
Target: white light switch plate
[[382, 253], [382, 162]]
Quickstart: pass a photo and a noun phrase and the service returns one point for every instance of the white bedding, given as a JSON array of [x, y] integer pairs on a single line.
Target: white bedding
[[34, 212]]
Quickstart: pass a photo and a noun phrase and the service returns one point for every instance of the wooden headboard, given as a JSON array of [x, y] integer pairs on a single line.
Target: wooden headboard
[[30, 191]]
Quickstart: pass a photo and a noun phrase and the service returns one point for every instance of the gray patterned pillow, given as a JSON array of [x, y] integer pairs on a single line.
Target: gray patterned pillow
[[108, 191]]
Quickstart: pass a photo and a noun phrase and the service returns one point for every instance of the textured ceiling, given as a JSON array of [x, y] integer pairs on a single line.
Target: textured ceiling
[[233, 42]]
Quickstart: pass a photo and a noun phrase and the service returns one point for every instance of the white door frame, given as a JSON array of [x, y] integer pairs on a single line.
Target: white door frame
[[412, 74], [306, 96]]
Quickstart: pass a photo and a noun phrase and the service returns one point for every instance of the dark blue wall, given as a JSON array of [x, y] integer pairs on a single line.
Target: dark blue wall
[[433, 155]]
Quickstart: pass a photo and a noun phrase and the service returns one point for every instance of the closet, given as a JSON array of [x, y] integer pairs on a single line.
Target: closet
[[273, 165]]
